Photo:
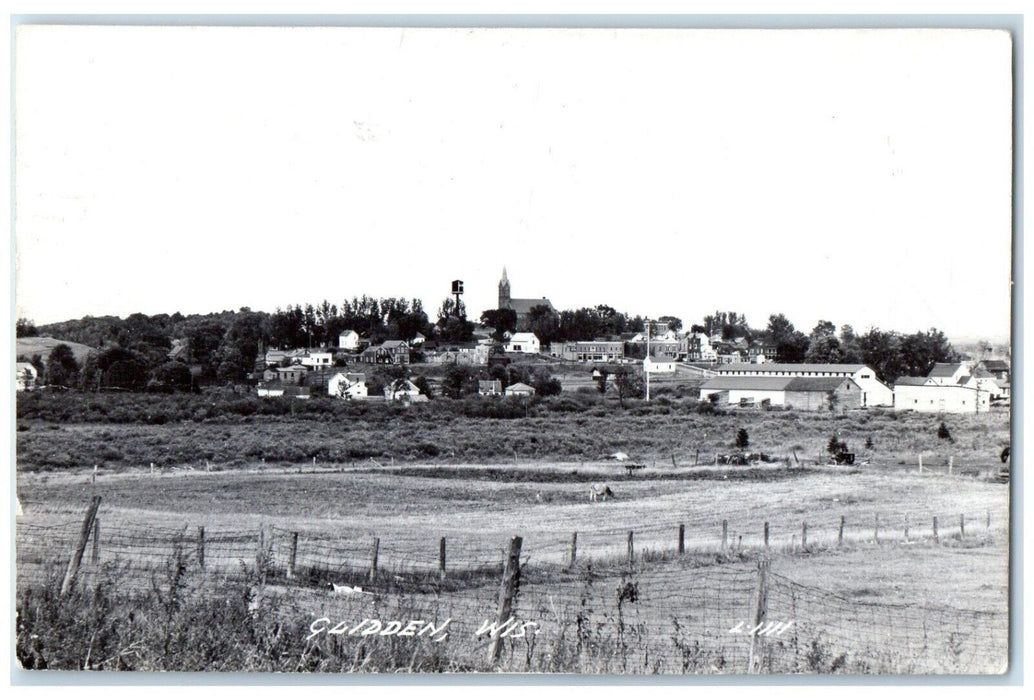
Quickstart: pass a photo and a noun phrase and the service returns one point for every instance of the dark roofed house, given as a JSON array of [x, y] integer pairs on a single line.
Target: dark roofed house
[[999, 369], [490, 387]]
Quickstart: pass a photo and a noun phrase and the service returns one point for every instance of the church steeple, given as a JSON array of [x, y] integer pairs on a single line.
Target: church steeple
[[504, 291]]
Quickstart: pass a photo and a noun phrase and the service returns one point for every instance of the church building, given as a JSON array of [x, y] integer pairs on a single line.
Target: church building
[[522, 306]]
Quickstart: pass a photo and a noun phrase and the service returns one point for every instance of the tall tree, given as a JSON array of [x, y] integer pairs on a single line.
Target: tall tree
[[791, 345], [62, 367]]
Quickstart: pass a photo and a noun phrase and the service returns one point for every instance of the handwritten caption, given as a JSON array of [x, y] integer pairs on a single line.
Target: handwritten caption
[[511, 628]]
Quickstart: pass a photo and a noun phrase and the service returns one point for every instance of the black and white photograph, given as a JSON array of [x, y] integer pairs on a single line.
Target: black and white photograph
[[581, 351]]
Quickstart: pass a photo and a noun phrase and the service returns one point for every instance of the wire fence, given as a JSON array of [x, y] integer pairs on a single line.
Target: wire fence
[[611, 600]]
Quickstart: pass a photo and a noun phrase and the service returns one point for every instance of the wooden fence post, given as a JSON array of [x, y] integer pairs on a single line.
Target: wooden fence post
[[760, 612], [631, 549], [80, 545], [962, 524], [989, 521], [373, 558], [766, 534], [441, 558], [951, 464], [804, 535], [936, 539], [682, 538], [507, 591], [876, 528], [292, 556], [725, 535], [574, 548], [96, 555], [260, 555], [201, 546], [906, 527], [840, 534]]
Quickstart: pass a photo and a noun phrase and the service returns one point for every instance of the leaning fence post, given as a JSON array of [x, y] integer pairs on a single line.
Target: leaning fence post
[[906, 527], [989, 521], [725, 535], [507, 591], [96, 555], [292, 556], [260, 554], [804, 535], [80, 546], [682, 538], [760, 612], [441, 558], [373, 558], [766, 534], [936, 539], [574, 548], [840, 533], [876, 528], [962, 524], [201, 546], [631, 548]]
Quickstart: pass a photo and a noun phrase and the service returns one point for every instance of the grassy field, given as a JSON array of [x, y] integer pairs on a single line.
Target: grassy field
[[477, 494]]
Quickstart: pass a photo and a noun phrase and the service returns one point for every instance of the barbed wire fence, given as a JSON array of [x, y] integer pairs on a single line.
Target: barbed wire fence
[[681, 596]]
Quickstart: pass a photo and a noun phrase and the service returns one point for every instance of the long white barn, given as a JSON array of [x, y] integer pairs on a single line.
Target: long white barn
[[874, 392]]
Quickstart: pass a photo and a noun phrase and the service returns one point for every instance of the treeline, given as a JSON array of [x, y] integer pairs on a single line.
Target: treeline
[[890, 353]]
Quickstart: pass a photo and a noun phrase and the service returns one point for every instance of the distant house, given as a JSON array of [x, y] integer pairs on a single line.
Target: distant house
[[26, 378], [319, 358], [270, 389], [472, 353], [948, 388], [490, 387], [589, 350], [347, 385], [523, 342], [520, 389], [293, 374], [405, 391], [277, 389], [349, 340], [418, 339], [999, 369], [698, 348], [390, 352], [655, 365]]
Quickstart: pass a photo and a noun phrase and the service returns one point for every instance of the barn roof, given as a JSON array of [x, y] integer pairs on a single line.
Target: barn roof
[[944, 369], [788, 367], [722, 383], [910, 381], [816, 383]]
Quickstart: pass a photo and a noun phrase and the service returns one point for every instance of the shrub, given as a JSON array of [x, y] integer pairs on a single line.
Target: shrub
[[943, 433], [742, 439]]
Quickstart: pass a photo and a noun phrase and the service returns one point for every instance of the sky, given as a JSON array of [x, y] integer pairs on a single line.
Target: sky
[[857, 176]]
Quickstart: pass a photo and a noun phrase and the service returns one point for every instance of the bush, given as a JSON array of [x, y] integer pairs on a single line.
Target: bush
[[742, 439], [943, 433]]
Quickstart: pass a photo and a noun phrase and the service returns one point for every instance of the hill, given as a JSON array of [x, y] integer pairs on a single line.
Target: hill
[[42, 345]]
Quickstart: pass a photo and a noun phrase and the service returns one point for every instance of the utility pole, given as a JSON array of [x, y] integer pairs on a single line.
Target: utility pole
[[646, 362]]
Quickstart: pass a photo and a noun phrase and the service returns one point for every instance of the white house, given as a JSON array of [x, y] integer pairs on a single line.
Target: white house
[[403, 390], [349, 340], [659, 365], [25, 376], [348, 386], [802, 393], [523, 342], [418, 339], [520, 389], [874, 392], [948, 388], [318, 358]]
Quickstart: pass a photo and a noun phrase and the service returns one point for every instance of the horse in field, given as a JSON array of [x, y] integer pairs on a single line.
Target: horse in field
[[599, 492]]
